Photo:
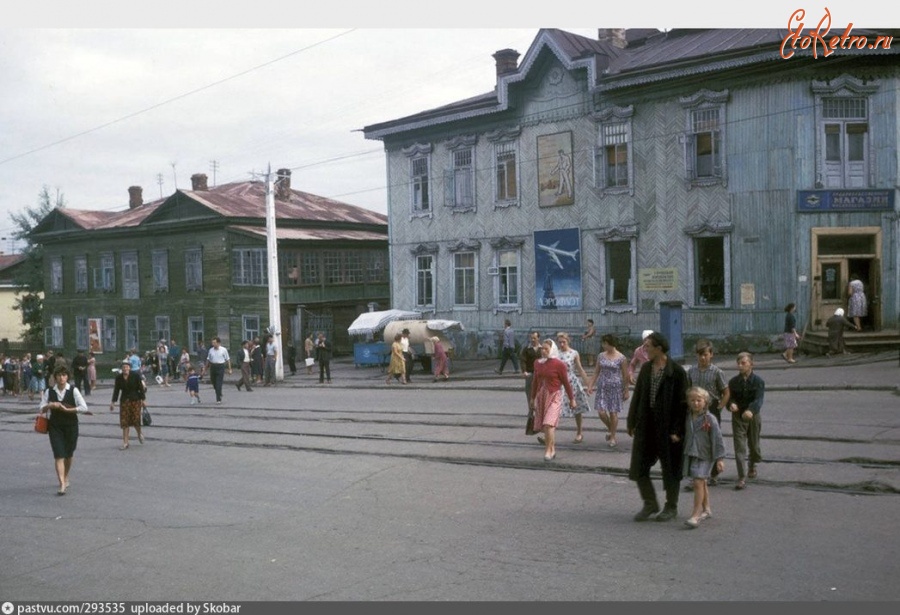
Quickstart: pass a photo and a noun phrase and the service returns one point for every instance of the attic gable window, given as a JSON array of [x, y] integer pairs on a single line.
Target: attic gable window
[[704, 138]]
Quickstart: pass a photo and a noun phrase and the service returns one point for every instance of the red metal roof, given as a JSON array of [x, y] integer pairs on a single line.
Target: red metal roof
[[304, 234]]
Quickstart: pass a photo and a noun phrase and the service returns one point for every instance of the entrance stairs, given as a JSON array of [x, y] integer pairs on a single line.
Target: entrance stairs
[[815, 342]]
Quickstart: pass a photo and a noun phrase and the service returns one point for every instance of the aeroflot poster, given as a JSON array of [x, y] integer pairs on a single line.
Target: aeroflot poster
[[557, 269]]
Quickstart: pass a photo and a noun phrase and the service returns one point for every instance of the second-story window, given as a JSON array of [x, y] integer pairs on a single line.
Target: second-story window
[[506, 180], [193, 269], [461, 179], [249, 267], [104, 275], [81, 274], [160, 270], [419, 184], [704, 138], [130, 283], [56, 275]]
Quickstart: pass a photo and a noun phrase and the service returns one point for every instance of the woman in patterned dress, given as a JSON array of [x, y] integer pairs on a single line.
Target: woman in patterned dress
[[612, 373], [546, 404], [131, 386], [857, 306], [577, 377]]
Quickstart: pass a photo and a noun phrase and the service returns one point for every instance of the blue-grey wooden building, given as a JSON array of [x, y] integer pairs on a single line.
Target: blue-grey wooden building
[[604, 177]]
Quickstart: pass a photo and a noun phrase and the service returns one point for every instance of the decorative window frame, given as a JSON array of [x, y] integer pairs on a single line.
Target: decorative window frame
[[81, 273], [459, 145], [415, 152], [709, 229], [503, 141], [105, 274], [844, 86], [110, 334], [613, 115], [191, 285], [704, 99], [506, 244], [159, 263], [629, 233], [471, 247], [136, 342], [56, 275], [425, 249], [131, 284]]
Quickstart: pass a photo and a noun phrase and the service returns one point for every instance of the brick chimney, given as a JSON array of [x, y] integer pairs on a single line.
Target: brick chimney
[[135, 197], [198, 182], [613, 36], [283, 185], [507, 61]]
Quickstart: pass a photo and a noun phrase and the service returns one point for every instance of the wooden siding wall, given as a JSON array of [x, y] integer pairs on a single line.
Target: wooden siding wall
[[770, 150]]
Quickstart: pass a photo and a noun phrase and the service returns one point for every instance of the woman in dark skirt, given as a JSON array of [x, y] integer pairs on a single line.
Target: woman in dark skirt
[[131, 386], [63, 401]]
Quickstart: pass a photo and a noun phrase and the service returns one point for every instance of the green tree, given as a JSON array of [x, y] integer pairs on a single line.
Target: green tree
[[29, 280]]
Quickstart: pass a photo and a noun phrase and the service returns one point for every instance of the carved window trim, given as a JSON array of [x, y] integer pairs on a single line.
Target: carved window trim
[[704, 100], [606, 119]]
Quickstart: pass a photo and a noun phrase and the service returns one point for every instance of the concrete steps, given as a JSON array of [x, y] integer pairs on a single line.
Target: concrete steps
[[816, 342]]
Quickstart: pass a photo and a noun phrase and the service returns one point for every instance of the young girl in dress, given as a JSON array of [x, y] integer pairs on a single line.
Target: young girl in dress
[[703, 447]]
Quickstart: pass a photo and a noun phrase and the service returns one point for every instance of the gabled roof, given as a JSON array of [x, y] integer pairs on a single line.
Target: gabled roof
[[242, 200], [314, 234], [8, 260], [248, 200]]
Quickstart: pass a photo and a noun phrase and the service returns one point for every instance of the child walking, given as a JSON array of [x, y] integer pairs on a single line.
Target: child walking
[[192, 385], [703, 448], [708, 376]]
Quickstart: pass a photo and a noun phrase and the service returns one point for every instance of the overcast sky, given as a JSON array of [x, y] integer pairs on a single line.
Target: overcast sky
[[89, 108]]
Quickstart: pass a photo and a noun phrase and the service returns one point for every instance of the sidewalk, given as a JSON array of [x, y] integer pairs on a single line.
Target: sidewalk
[[869, 371]]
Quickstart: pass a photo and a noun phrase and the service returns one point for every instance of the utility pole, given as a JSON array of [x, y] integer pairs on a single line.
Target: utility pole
[[174, 177], [159, 180], [214, 166], [272, 252]]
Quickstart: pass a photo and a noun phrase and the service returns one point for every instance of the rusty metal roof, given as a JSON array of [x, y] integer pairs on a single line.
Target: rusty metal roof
[[304, 234], [94, 219], [248, 200]]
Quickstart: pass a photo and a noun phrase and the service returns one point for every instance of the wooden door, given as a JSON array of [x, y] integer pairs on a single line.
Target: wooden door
[[831, 285]]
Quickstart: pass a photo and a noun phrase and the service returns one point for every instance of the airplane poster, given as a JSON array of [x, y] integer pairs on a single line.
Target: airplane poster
[[557, 269]]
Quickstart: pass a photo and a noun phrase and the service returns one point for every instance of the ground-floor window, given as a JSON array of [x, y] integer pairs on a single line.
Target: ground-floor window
[[425, 280], [711, 271]]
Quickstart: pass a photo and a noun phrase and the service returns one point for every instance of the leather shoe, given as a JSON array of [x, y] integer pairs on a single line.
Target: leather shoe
[[647, 511], [667, 514]]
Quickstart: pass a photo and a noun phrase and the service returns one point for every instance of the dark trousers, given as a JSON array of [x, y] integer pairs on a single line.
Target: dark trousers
[[83, 383], [509, 354], [217, 377], [324, 370], [408, 361]]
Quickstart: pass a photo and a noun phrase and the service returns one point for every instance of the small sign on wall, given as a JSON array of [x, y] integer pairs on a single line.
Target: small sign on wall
[[658, 279], [748, 294]]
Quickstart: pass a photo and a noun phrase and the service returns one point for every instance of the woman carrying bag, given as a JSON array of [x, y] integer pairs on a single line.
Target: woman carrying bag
[[131, 386], [63, 401]]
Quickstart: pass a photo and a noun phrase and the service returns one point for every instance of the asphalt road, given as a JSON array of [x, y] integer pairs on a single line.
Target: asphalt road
[[357, 491]]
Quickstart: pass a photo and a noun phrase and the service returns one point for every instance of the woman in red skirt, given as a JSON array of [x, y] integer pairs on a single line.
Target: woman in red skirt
[[550, 377]]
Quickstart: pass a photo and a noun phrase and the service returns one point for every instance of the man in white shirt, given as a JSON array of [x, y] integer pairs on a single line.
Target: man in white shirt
[[217, 359]]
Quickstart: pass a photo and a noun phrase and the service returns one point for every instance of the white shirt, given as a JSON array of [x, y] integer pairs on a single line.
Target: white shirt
[[80, 404], [217, 356]]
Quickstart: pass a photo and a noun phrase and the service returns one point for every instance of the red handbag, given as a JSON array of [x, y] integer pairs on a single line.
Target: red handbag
[[41, 424]]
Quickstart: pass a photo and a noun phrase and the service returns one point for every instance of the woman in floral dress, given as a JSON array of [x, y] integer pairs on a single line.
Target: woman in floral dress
[[612, 373], [577, 377]]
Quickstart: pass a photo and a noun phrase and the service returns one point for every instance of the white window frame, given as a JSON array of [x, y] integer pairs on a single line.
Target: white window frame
[[700, 109], [163, 329], [425, 275], [469, 280], [160, 267], [82, 333], [110, 339], [56, 275], [132, 333], [844, 173], [193, 269], [248, 331], [460, 179], [505, 146], [710, 230], [421, 192], [131, 284], [614, 129], [81, 274], [504, 273], [249, 267], [195, 332], [54, 337], [105, 274]]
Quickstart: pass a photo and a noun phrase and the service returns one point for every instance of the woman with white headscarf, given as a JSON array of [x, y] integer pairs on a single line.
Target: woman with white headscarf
[[836, 325], [550, 377]]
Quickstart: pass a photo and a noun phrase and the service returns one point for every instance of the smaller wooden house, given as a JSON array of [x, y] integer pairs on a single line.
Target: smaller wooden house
[[194, 265]]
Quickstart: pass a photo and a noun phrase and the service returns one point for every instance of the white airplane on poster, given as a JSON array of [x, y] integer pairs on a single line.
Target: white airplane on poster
[[555, 253]]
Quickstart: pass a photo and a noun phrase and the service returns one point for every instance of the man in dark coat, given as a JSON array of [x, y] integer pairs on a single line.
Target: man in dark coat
[[656, 421], [323, 358]]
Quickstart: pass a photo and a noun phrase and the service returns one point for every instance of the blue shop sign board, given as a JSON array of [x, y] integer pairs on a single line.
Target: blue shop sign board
[[844, 200]]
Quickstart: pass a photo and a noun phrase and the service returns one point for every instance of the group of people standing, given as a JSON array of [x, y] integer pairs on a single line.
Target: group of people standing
[[674, 416]]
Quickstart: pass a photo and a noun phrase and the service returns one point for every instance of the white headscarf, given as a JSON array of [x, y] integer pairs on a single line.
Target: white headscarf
[[646, 333], [554, 352], [839, 312]]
